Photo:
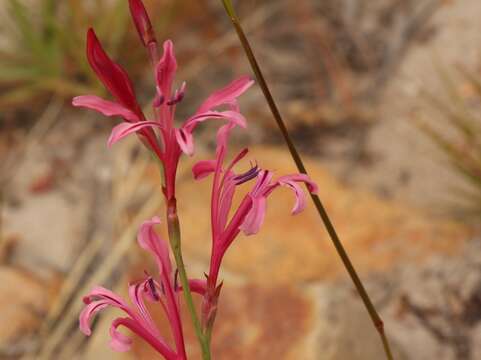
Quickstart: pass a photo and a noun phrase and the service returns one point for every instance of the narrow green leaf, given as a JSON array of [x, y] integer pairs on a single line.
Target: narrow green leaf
[[49, 12], [26, 27], [118, 19], [13, 74]]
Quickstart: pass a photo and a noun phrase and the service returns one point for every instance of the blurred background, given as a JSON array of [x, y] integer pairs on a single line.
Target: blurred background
[[383, 98]]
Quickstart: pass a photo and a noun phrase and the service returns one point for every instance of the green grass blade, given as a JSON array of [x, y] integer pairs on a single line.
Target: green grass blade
[[29, 36]]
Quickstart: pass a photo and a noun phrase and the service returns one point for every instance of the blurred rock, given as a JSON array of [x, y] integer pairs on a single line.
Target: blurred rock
[[263, 322], [344, 328], [434, 311], [53, 205], [24, 299], [431, 311], [254, 322], [398, 145], [42, 243]]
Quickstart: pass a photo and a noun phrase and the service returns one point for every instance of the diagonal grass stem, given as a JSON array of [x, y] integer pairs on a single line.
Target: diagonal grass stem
[[376, 319]]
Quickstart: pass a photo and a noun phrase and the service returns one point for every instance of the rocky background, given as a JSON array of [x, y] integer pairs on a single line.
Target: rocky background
[[351, 79]]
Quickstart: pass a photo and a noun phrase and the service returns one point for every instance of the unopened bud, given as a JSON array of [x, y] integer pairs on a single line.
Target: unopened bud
[[142, 22]]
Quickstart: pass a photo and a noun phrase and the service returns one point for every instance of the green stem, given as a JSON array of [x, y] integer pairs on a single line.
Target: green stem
[[208, 334], [376, 319], [175, 243]]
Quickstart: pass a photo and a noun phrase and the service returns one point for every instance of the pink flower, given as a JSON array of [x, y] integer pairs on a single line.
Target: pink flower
[[249, 216], [138, 319], [159, 134]]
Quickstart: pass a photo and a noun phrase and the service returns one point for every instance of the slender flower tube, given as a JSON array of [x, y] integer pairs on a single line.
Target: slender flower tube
[[159, 134], [138, 320], [248, 217]]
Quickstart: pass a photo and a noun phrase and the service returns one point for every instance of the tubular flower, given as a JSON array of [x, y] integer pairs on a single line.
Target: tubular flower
[[138, 319], [158, 134], [248, 217]]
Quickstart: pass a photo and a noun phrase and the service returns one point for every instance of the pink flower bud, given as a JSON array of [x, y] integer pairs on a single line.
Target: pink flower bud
[[112, 75], [142, 22]]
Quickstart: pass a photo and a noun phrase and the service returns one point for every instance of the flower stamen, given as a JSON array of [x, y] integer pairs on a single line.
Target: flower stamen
[[153, 290], [176, 280], [247, 176], [178, 95], [159, 100]]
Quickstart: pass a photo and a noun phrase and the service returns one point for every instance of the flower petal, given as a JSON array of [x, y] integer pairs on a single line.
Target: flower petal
[[122, 130], [105, 107], [184, 135], [255, 217], [236, 223], [222, 138], [203, 168], [112, 75], [136, 292], [138, 322], [292, 182], [300, 196], [225, 202], [233, 116], [226, 95], [166, 69], [185, 140], [121, 342], [104, 294], [263, 185], [311, 185], [150, 241], [88, 313], [99, 298], [118, 341]]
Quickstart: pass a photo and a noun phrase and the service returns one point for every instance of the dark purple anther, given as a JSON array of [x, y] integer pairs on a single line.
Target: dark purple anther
[[248, 175], [153, 290], [159, 100], [178, 95], [176, 280]]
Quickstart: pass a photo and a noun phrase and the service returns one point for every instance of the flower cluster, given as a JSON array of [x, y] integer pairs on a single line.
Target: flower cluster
[[159, 134], [167, 142], [163, 291], [248, 217]]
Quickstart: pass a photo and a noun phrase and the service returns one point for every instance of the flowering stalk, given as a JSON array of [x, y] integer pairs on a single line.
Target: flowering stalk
[[376, 319], [147, 36], [175, 243], [167, 143], [248, 217]]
